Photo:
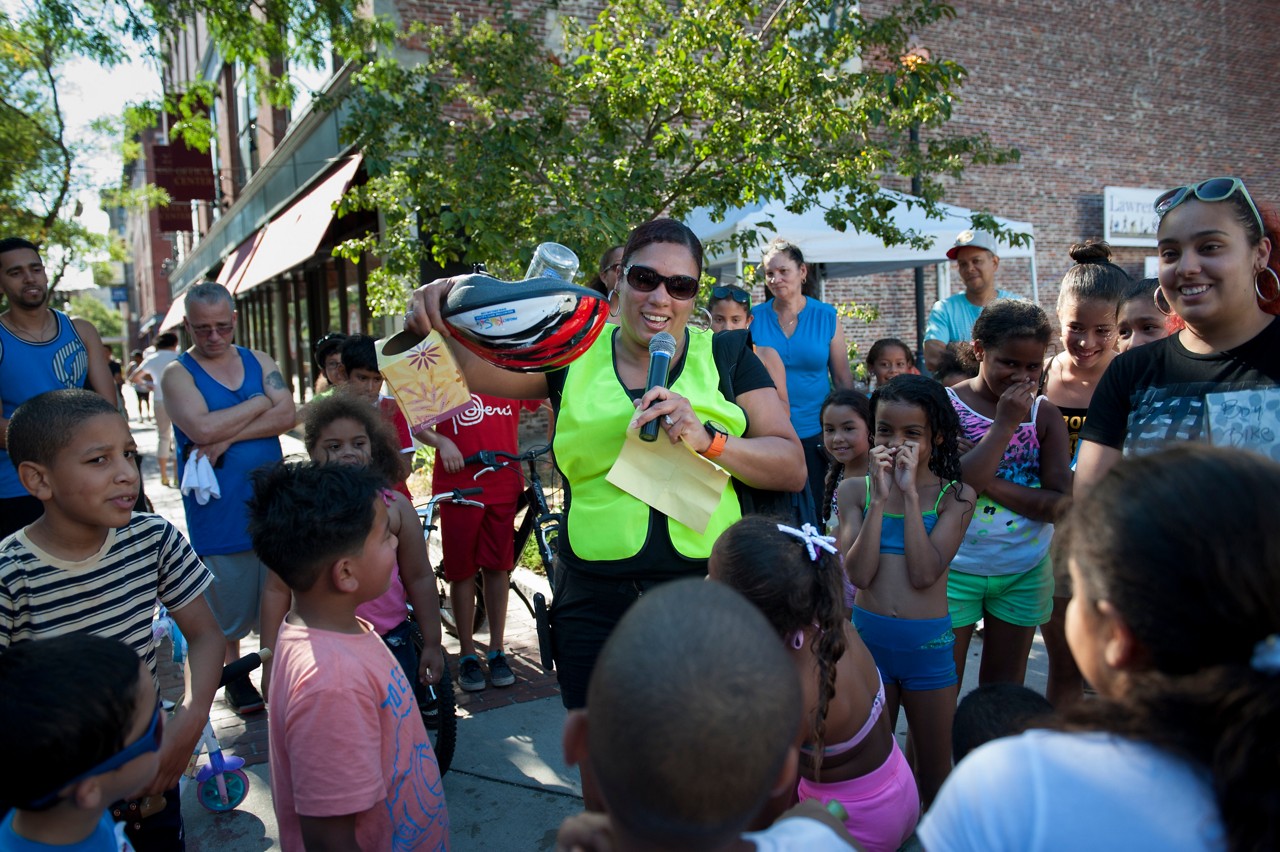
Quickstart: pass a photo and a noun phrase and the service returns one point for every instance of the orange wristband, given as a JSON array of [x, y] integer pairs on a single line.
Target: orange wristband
[[718, 440]]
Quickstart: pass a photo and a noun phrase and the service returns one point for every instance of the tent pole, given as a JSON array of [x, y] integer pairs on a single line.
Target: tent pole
[[1035, 285], [920, 317]]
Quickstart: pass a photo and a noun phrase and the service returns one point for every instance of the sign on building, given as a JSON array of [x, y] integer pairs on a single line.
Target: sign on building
[[1129, 216]]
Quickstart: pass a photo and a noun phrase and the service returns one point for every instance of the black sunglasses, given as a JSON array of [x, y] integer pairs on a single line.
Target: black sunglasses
[[644, 279], [742, 297]]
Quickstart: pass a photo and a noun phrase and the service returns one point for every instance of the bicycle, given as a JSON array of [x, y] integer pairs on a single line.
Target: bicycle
[[222, 784], [427, 515], [436, 702], [539, 521]]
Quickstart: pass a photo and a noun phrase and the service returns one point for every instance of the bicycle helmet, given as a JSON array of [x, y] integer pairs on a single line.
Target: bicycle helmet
[[529, 326]]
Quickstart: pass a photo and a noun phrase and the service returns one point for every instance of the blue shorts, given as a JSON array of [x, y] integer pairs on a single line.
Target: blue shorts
[[914, 653]]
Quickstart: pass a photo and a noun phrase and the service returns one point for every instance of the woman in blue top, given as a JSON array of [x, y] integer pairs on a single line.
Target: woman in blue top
[[808, 335]]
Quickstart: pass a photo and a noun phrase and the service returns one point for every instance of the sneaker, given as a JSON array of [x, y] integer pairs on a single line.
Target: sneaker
[[243, 696], [470, 675], [499, 672]]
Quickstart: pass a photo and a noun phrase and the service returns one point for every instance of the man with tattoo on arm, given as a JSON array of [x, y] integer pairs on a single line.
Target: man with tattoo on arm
[[229, 404]]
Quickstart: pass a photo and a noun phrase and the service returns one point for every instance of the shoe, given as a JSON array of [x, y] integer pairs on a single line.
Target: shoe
[[470, 675], [164, 482], [500, 673], [243, 696]]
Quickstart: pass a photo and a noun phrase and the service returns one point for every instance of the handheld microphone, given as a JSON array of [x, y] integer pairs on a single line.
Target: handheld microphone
[[662, 348]]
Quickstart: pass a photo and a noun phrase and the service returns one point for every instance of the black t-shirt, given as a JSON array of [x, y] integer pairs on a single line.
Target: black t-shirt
[[1154, 395], [659, 559]]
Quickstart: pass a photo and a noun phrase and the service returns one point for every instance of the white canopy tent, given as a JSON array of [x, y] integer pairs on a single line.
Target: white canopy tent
[[848, 254]]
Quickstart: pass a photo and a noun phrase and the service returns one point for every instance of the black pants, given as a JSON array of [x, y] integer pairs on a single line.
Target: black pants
[[400, 640], [816, 462], [584, 611], [160, 832]]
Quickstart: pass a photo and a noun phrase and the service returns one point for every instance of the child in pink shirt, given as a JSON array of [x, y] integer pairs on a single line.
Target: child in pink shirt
[[351, 765]]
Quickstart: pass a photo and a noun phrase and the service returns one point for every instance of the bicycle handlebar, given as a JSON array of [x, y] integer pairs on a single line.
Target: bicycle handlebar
[[457, 495], [496, 458]]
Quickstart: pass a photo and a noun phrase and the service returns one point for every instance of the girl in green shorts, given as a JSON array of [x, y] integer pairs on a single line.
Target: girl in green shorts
[[1020, 467]]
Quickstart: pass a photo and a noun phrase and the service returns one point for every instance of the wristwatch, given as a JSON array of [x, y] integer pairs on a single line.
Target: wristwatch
[[719, 435]]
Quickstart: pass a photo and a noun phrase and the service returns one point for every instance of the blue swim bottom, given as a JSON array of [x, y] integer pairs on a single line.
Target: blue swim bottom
[[914, 653]]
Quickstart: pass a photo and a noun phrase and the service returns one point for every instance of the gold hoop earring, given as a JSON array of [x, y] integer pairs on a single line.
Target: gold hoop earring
[[613, 309], [1257, 288], [1162, 304]]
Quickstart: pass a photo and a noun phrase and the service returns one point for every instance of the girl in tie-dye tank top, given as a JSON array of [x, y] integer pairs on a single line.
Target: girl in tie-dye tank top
[[1020, 467]]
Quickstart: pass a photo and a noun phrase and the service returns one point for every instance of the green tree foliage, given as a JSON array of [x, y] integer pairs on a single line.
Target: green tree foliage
[[497, 142], [42, 165], [108, 322], [39, 177]]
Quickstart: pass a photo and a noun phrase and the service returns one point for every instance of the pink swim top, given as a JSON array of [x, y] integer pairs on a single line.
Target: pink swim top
[[877, 707]]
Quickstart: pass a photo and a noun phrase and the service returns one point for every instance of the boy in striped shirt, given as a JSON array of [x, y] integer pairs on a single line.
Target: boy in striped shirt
[[91, 565]]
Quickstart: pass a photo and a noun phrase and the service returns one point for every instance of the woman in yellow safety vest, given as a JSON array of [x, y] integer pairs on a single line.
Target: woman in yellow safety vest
[[614, 547]]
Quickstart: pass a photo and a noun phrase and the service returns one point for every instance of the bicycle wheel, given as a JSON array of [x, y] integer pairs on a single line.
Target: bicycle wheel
[[441, 714], [237, 784]]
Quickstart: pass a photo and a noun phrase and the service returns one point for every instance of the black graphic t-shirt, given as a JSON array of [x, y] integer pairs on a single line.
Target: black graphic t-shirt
[[1161, 393]]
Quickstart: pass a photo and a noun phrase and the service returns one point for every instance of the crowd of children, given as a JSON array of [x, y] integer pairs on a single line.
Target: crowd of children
[[756, 710]]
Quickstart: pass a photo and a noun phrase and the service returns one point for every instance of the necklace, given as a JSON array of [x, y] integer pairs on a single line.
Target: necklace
[[40, 338]]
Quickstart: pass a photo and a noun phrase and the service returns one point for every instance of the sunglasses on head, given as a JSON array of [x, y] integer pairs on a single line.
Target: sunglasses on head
[[646, 280], [1211, 190], [148, 742], [737, 294]]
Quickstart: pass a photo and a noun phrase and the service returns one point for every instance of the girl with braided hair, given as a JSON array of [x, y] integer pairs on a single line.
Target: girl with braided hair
[[849, 753], [905, 521]]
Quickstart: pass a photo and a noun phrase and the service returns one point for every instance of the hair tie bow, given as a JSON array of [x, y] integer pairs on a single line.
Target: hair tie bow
[[812, 539], [1266, 655]]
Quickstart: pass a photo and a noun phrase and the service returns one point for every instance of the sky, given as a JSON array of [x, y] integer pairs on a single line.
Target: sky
[[92, 92]]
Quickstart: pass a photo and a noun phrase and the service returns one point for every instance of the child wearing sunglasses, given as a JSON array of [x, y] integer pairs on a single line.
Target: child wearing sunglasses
[[71, 755], [1215, 380], [730, 309]]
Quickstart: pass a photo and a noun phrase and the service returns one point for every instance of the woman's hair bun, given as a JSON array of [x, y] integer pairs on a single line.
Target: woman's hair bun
[[1091, 251]]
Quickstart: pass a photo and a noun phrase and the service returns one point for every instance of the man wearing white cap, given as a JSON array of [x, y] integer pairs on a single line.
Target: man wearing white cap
[[952, 319]]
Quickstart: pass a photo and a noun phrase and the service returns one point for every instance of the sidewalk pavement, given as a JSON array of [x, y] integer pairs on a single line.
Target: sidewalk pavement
[[508, 788]]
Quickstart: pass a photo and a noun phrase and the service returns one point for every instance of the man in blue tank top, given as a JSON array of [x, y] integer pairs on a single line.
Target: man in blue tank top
[[951, 320], [40, 350], [229, 405]]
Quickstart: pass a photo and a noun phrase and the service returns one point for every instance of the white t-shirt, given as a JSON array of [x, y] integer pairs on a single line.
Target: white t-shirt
[[797, 834], [154, 365], [1052, 790]]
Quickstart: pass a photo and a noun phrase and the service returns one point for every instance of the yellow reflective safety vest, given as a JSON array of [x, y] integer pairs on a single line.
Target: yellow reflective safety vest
[[604, 522]]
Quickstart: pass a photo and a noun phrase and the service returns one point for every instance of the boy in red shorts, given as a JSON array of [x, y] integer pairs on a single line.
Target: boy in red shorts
[[479, 539]]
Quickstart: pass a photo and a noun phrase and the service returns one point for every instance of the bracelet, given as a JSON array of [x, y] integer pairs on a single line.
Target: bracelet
[[718, 439]]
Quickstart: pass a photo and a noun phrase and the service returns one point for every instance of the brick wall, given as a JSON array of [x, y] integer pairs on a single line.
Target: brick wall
[[1139, 94]]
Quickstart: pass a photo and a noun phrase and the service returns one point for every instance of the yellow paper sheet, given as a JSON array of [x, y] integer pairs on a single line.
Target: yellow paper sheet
[[426, 381], [671, 478]]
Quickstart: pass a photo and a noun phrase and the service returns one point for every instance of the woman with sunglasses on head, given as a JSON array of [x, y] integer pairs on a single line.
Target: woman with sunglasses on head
[[808, 336], [613, 547], [730, 310], [1218, 271]]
